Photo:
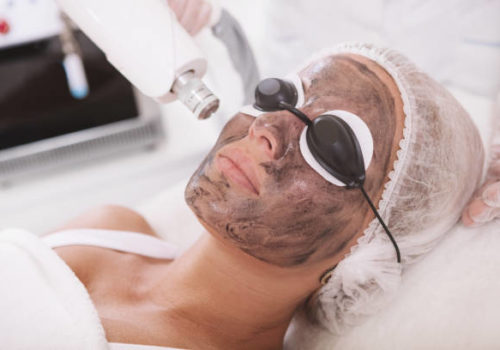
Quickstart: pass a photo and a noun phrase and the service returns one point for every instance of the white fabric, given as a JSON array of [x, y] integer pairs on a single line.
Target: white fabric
[[447, 301], [43, 304], [126, 241], [125, 346]]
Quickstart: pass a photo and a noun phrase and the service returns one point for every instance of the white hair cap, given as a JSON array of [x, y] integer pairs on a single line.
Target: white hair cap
[[438, 167]]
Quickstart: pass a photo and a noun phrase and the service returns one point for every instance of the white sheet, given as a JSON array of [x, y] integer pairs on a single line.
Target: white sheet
[[449, 300]]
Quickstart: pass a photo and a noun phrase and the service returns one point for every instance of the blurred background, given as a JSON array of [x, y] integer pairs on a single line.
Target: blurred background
[[68, 145]]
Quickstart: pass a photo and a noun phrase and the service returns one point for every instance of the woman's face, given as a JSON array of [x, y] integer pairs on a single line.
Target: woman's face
[[254, 190]]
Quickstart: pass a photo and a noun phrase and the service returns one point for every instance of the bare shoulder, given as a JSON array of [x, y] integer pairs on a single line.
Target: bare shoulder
[[110, 217], [87, 261]]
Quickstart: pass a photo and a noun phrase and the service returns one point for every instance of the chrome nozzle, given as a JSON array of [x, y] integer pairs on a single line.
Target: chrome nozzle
[[191, 91]]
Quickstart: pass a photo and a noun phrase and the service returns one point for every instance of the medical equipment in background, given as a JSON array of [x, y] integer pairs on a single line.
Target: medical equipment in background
[[144, 41], [55, 111], [72, 62]]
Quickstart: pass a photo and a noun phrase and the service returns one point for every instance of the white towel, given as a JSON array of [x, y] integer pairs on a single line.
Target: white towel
[[43, 305]]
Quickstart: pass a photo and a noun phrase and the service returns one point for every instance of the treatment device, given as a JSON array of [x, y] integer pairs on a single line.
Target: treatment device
[[144, 41]]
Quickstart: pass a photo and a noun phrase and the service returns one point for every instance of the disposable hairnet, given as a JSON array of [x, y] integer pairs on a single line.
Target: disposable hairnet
[[438, 167]]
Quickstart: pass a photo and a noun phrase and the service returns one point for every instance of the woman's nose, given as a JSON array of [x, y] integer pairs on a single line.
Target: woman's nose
[[270, 133]]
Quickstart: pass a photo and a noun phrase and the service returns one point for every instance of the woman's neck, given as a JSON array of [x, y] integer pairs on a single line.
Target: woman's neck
[[223, 298]]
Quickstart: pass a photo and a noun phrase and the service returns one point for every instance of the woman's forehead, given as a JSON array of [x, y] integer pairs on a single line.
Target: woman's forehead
[[354, 83], [339, 73]]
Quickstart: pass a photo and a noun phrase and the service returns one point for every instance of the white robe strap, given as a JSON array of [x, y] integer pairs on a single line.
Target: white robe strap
[[125, 241], [126, 346]]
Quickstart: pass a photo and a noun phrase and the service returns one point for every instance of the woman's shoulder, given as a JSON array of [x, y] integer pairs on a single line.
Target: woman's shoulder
[[86, 255], [110, 217]]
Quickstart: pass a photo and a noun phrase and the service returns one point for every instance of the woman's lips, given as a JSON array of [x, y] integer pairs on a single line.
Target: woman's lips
[[238, 169]]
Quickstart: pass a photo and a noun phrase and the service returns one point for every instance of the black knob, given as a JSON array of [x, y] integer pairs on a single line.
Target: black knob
[[270, 92]]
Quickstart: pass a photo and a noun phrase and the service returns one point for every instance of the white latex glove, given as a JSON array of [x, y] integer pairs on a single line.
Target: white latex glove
[[193, 15], [485, 205]]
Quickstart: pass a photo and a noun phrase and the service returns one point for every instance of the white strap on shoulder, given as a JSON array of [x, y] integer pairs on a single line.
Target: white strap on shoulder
[[125, 241], [126, 346]]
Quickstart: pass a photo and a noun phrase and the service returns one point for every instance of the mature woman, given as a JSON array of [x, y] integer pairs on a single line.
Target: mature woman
[[275, 228]]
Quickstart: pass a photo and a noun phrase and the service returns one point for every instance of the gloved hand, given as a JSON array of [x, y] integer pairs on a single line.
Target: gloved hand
[[485, 205], [193, 15]]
